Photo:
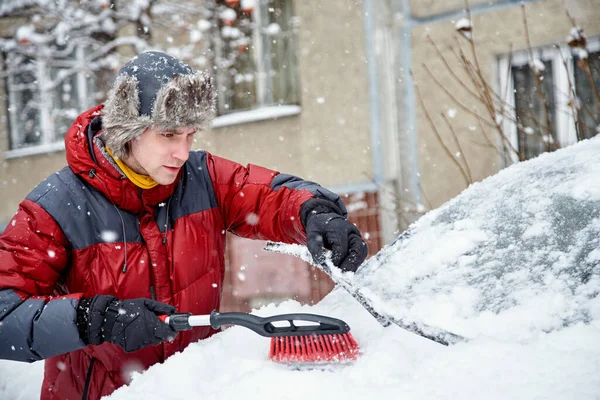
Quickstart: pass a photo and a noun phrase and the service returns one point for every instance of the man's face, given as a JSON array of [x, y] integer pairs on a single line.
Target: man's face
[[160, 154]]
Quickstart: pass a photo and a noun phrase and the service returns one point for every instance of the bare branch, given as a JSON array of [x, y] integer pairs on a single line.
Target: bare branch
[[462, 153], [452, 96], [437, 134], [451, 70]]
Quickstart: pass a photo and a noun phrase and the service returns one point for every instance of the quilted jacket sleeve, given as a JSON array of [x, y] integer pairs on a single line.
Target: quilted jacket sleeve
[[260, 203], [33, 253]]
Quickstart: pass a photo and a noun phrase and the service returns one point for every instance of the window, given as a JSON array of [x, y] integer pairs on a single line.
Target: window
[[534, 128], [531, 112], [45, 95], [256, 55], [587, 88]]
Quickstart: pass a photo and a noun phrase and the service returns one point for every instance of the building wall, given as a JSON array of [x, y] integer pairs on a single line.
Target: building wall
[[496, 27]]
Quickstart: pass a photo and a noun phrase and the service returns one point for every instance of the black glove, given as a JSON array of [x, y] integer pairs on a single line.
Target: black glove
[[326, 226], [131, 324]]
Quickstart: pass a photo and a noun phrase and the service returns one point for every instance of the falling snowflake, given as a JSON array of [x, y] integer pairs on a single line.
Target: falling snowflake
[[108, 236], [252, 219]]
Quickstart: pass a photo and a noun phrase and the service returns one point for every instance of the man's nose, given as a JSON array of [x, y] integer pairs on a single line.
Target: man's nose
[[181, 151]]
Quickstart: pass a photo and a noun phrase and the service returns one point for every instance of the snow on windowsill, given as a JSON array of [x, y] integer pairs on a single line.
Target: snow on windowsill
[[33, 150], [258, 114]]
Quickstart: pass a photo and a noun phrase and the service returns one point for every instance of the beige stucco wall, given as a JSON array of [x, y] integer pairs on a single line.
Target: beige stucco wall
[[328, 142], [494, 31]]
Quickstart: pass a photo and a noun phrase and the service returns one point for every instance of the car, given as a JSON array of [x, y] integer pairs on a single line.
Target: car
[[511, 265]]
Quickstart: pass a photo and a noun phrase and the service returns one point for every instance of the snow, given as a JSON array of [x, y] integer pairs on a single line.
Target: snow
[[228, 14], [464, 26], [463, 23], [273, 29], [7, 7], [510, 263], [575, 34], [538, 65], [248, 4]]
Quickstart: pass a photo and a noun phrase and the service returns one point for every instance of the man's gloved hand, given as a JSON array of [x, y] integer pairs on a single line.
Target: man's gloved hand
[[131, 324], [326, 227]]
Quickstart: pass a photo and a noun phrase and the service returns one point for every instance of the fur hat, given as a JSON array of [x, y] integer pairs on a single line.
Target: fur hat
[[155, 89]]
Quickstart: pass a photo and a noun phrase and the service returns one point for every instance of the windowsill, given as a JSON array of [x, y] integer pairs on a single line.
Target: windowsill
[[34, 150], [241, 117], [259, 114]]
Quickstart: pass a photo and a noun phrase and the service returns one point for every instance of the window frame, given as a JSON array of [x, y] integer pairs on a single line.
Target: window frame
[[49, 140], [565, 119], [262, 109]]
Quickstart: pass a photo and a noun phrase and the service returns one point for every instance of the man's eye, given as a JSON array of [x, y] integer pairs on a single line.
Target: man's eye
[[168, 135]]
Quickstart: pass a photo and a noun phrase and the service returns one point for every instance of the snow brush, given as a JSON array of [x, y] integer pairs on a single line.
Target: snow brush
[[437, 335], [293, 341]]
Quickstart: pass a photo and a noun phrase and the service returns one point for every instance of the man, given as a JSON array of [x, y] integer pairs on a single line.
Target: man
[[135, 227]]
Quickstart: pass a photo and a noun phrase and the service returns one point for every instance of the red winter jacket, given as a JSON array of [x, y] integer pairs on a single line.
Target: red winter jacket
[[88, 230]]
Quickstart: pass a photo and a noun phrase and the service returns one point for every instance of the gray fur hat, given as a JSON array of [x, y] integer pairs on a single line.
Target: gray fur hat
[[155, 89]]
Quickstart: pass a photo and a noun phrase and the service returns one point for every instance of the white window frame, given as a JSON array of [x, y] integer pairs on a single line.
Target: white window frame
[[49, 142], [262, 110], [565, 119]]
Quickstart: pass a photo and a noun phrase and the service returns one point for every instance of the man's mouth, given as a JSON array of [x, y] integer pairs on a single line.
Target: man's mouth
[[172, 169]]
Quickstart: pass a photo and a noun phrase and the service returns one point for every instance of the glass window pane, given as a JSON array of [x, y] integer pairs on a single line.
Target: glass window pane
[[251, 73], [587, 84], [235, 49], [64, 99], [530, 110], [23, 102], [280, 44], [63, 94]]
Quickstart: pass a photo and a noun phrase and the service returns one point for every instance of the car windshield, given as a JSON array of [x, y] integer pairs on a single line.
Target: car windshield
[[510, 257]]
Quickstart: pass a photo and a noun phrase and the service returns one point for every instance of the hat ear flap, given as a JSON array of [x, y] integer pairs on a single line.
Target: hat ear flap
[[125, 97], [121, 120]]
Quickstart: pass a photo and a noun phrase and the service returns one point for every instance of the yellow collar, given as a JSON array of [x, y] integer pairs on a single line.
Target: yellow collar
[[141, 181]]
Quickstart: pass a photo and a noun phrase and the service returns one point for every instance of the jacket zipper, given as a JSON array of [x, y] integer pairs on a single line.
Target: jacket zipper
[[88, 379], [164, 242]]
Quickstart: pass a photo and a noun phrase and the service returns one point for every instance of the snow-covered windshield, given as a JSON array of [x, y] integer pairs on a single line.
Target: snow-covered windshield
[[512, 256]]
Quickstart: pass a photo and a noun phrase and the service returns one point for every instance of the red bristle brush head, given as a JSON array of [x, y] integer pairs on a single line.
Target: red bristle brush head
[[314, 348]]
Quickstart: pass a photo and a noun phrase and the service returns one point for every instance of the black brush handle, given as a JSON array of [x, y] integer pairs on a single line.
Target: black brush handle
[[264, 325]]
